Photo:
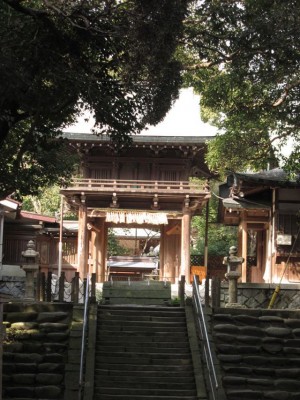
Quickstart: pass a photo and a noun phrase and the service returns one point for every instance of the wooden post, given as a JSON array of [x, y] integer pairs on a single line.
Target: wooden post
[[84, 289], [101, 251], [38, 294], [215, 291], [197, 281], [244, 250], [181, 290], [93, 288], [61, 289], [43, 286], [49, 284], [185, 245], [75, 288], [206, 237], [162, 252], [93, 251], [206, 291]]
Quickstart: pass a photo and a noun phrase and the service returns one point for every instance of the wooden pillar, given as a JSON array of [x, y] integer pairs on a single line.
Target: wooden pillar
[[102, 250], [82, 241], [185, 245], [162, 252], [93, 252], [273, 227], [98, 249], [267, 277], [244, 250]]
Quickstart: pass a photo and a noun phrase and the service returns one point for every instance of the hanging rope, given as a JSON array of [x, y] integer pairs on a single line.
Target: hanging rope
[[135, 217], [277, 289]]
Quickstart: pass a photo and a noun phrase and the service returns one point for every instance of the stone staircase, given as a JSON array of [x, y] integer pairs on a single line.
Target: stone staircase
[[259, 353], [143, 353]]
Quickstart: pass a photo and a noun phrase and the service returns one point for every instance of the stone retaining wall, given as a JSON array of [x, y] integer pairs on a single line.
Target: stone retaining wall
[[13, 286], [257, 352], [38, 348], [255, 295]]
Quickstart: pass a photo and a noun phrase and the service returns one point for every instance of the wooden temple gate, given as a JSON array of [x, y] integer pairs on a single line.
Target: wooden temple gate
[[144, 184]]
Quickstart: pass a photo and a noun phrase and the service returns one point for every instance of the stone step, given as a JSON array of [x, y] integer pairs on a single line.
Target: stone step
[[146, 385], [122, 336], [148, 330], [107, 377], [137, 354], [153, 359], [157, 311], [180, 348], [141, 369], [171, 322], [142, 337], [145, 392], [108, 316], [107, 396], [143, 353]]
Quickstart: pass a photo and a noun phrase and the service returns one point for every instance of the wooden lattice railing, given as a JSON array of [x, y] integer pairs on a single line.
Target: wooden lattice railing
[[86, 184]]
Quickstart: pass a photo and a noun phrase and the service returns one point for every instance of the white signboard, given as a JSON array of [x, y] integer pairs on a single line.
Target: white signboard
[[285, 240]]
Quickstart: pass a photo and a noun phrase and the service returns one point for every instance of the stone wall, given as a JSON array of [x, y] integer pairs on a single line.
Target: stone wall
[[258, 295], [13, 286], [257, 352], [37, 349]]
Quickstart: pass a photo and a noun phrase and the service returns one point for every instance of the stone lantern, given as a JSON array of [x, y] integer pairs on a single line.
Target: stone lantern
[[233, 262], [30, 266]]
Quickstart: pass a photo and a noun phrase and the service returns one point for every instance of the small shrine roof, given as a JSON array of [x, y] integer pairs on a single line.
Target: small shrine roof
[[274, 176]]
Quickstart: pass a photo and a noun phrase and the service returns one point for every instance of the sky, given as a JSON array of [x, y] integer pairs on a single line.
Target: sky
[[182, 120]]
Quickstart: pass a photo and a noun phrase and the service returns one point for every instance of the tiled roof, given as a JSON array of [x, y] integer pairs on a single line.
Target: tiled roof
[[276, 175], [176, 140]]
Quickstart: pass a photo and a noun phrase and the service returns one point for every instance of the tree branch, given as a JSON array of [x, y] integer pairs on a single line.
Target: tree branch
[[285, 94], [16, 5]]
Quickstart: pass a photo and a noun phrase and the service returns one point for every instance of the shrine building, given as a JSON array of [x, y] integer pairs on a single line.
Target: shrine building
[[145, 184]]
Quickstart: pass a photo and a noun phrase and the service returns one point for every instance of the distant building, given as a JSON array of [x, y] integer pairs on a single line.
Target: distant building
[[265, 206]]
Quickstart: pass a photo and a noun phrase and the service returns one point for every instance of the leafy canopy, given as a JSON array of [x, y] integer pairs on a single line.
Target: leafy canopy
[[59, 58], [243, 58], [220, 237]]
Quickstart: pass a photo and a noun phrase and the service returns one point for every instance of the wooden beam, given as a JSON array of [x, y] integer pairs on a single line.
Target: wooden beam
[[251, 219]]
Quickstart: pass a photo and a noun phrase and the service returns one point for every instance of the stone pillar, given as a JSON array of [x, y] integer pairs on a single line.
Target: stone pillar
[[185, 245], [30, 266], [233, 262]]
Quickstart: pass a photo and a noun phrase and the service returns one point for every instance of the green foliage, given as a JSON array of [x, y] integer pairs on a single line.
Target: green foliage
[[59, 58], [220, 237], [114, 247], [174, 302], [47, 202], [243, 59]]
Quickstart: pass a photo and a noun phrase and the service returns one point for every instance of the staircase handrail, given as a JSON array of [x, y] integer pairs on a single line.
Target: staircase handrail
[[83, 339], [213, 381]]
